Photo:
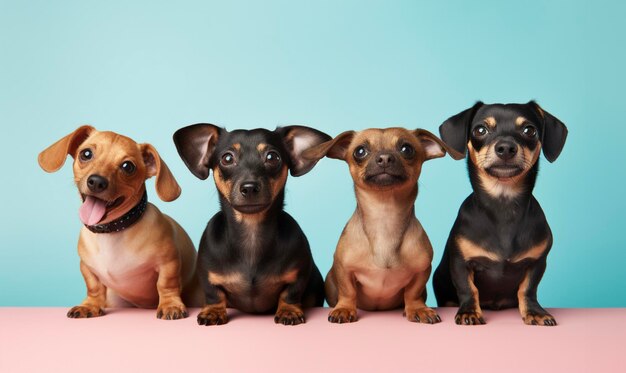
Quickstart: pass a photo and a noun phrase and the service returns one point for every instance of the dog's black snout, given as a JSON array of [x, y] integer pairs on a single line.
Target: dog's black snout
[[97, 183], [506, 149], [249, 188], [384, 160]]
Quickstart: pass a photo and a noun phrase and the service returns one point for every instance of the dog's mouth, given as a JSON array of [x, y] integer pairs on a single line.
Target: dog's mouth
[[385, 178], [504, 171], [251, 208], [94, 210]]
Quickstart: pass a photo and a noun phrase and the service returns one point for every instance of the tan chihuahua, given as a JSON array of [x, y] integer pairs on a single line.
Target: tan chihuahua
[[383, 258], [131, 254]]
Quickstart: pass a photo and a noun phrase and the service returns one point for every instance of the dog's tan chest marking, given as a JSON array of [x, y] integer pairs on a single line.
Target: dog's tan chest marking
[[470, 250], [241, 285], [534, 252], [233, 282]]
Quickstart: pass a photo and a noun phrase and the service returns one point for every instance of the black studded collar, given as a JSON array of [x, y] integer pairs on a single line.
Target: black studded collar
[[123, 222]]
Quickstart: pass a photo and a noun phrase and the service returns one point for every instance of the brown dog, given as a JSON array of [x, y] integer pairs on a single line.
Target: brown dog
[[383, 258], [130, 253]]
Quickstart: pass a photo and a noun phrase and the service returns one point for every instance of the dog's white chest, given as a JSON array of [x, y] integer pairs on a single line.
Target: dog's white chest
[[382, 283], [122, 269], [113, 265]]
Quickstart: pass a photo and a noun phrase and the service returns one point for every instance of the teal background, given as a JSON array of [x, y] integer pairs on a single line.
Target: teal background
[[146, 68]]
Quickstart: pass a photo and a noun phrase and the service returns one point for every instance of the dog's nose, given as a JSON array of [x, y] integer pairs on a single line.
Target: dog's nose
[[249, 188], [506, 149], [97, 183], [384, 160]]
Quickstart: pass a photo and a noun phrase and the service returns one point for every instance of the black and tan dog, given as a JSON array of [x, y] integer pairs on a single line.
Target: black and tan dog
[[497, 249], [383, 257], [253, 255]]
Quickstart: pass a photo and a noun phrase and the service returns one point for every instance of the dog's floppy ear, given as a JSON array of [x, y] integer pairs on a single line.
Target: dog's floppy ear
[[433, 146], [554, 133], [297, 139], [53, 158], [455, 130], [335, 148], [195, 145], [166, 186]]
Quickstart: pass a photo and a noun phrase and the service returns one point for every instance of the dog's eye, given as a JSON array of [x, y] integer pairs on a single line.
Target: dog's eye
[[529, 131], [360, 152], [272, 158], [86, 155], [407, 150], [480, 131], [228, 159], [128, 167]]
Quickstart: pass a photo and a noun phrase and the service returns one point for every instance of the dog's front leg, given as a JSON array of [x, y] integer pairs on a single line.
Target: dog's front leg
[[469, 312], [95, 302], [345, 309], [415, 308], [214, 310], [530, 309], [289, 310], [171, 306]]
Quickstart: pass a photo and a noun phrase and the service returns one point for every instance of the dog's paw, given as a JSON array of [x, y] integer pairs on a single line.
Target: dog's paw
[[79, 312], [469, 318], [544, 319], [342, 315], [212, 316], [289, 316], [425, 315], [171, 311]]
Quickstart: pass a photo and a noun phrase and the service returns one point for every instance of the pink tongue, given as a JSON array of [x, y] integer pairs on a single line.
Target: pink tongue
[[92, 210]]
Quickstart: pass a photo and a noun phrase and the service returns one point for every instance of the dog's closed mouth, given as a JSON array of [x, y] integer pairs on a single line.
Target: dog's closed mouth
[[94, 209], [251, 208], [385, 178], [504, 171]]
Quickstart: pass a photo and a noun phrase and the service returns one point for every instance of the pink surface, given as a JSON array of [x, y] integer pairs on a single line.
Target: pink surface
[[43, 339]]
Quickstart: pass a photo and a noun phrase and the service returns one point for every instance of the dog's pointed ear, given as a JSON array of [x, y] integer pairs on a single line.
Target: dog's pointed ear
[[433, 146], [195, 145], [297, 140], [455, 130], [165, 184], [554, 133], [53, 158], [336, 148]]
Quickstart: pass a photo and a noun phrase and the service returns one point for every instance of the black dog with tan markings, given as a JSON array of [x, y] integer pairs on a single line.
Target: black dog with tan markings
[[253, 255], [497, 249]]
